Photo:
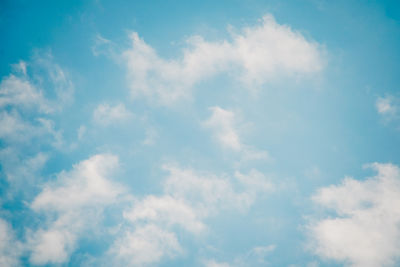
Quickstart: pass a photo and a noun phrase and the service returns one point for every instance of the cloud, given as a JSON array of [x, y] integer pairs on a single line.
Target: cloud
[[388, 107], [188, 199], [365, 230], [10, 248], [32, 92], [214, 263], [29, 97], [256, 256], [73, 204], [209, 193], [255, 55], [167, 211], [223, 124], [20, 92], [20, 67], [146, 245], [22, 172], [106, 114]]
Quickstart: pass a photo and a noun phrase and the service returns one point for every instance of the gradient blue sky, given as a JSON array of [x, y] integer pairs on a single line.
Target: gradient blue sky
[[200, 133]]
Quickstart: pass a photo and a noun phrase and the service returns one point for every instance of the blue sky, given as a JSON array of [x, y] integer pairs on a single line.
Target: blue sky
[[180, 133]]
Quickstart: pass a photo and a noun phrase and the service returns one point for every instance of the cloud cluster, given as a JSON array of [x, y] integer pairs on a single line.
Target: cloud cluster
[[365, 230], [73, 203], [189, 198], [29, 98], [253, 56], [10, 248]]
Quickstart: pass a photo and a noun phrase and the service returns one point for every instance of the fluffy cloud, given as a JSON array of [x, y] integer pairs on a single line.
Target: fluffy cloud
[[106, 114], [255, 55], [365, 230], [223, 124], [188, 199], [10, 248], [73, 203]]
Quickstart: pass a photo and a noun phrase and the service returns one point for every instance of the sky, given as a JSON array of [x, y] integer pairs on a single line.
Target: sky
[[200, 133]]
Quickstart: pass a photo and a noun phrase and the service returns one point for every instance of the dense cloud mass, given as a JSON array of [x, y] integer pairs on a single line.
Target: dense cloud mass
[[365, 230]]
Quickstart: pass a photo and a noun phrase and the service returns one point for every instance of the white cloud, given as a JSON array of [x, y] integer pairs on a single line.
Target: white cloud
[[214, 263], [366, 228], [10, 248], [106, 114], [188, 199], [256, 55], [209, 193], [26, 102], [384, 105], [151, 136], [146, 245], [388, 107], [20, 92], [20, 67], [14, 128], [206, 192], [223, 124], [29, 92], [256, 256], [22, 172], [73, 204], [167, 211], [81, 132]]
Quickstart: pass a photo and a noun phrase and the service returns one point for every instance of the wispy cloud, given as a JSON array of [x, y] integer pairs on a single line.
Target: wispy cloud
[[388, 107], [106, 114]]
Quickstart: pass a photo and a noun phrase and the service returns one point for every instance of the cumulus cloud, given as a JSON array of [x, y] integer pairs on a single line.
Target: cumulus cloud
[[10, 248], [224, 126], [188, 199], [255, 55], [365, 229], [106, 114], [73, 203]]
